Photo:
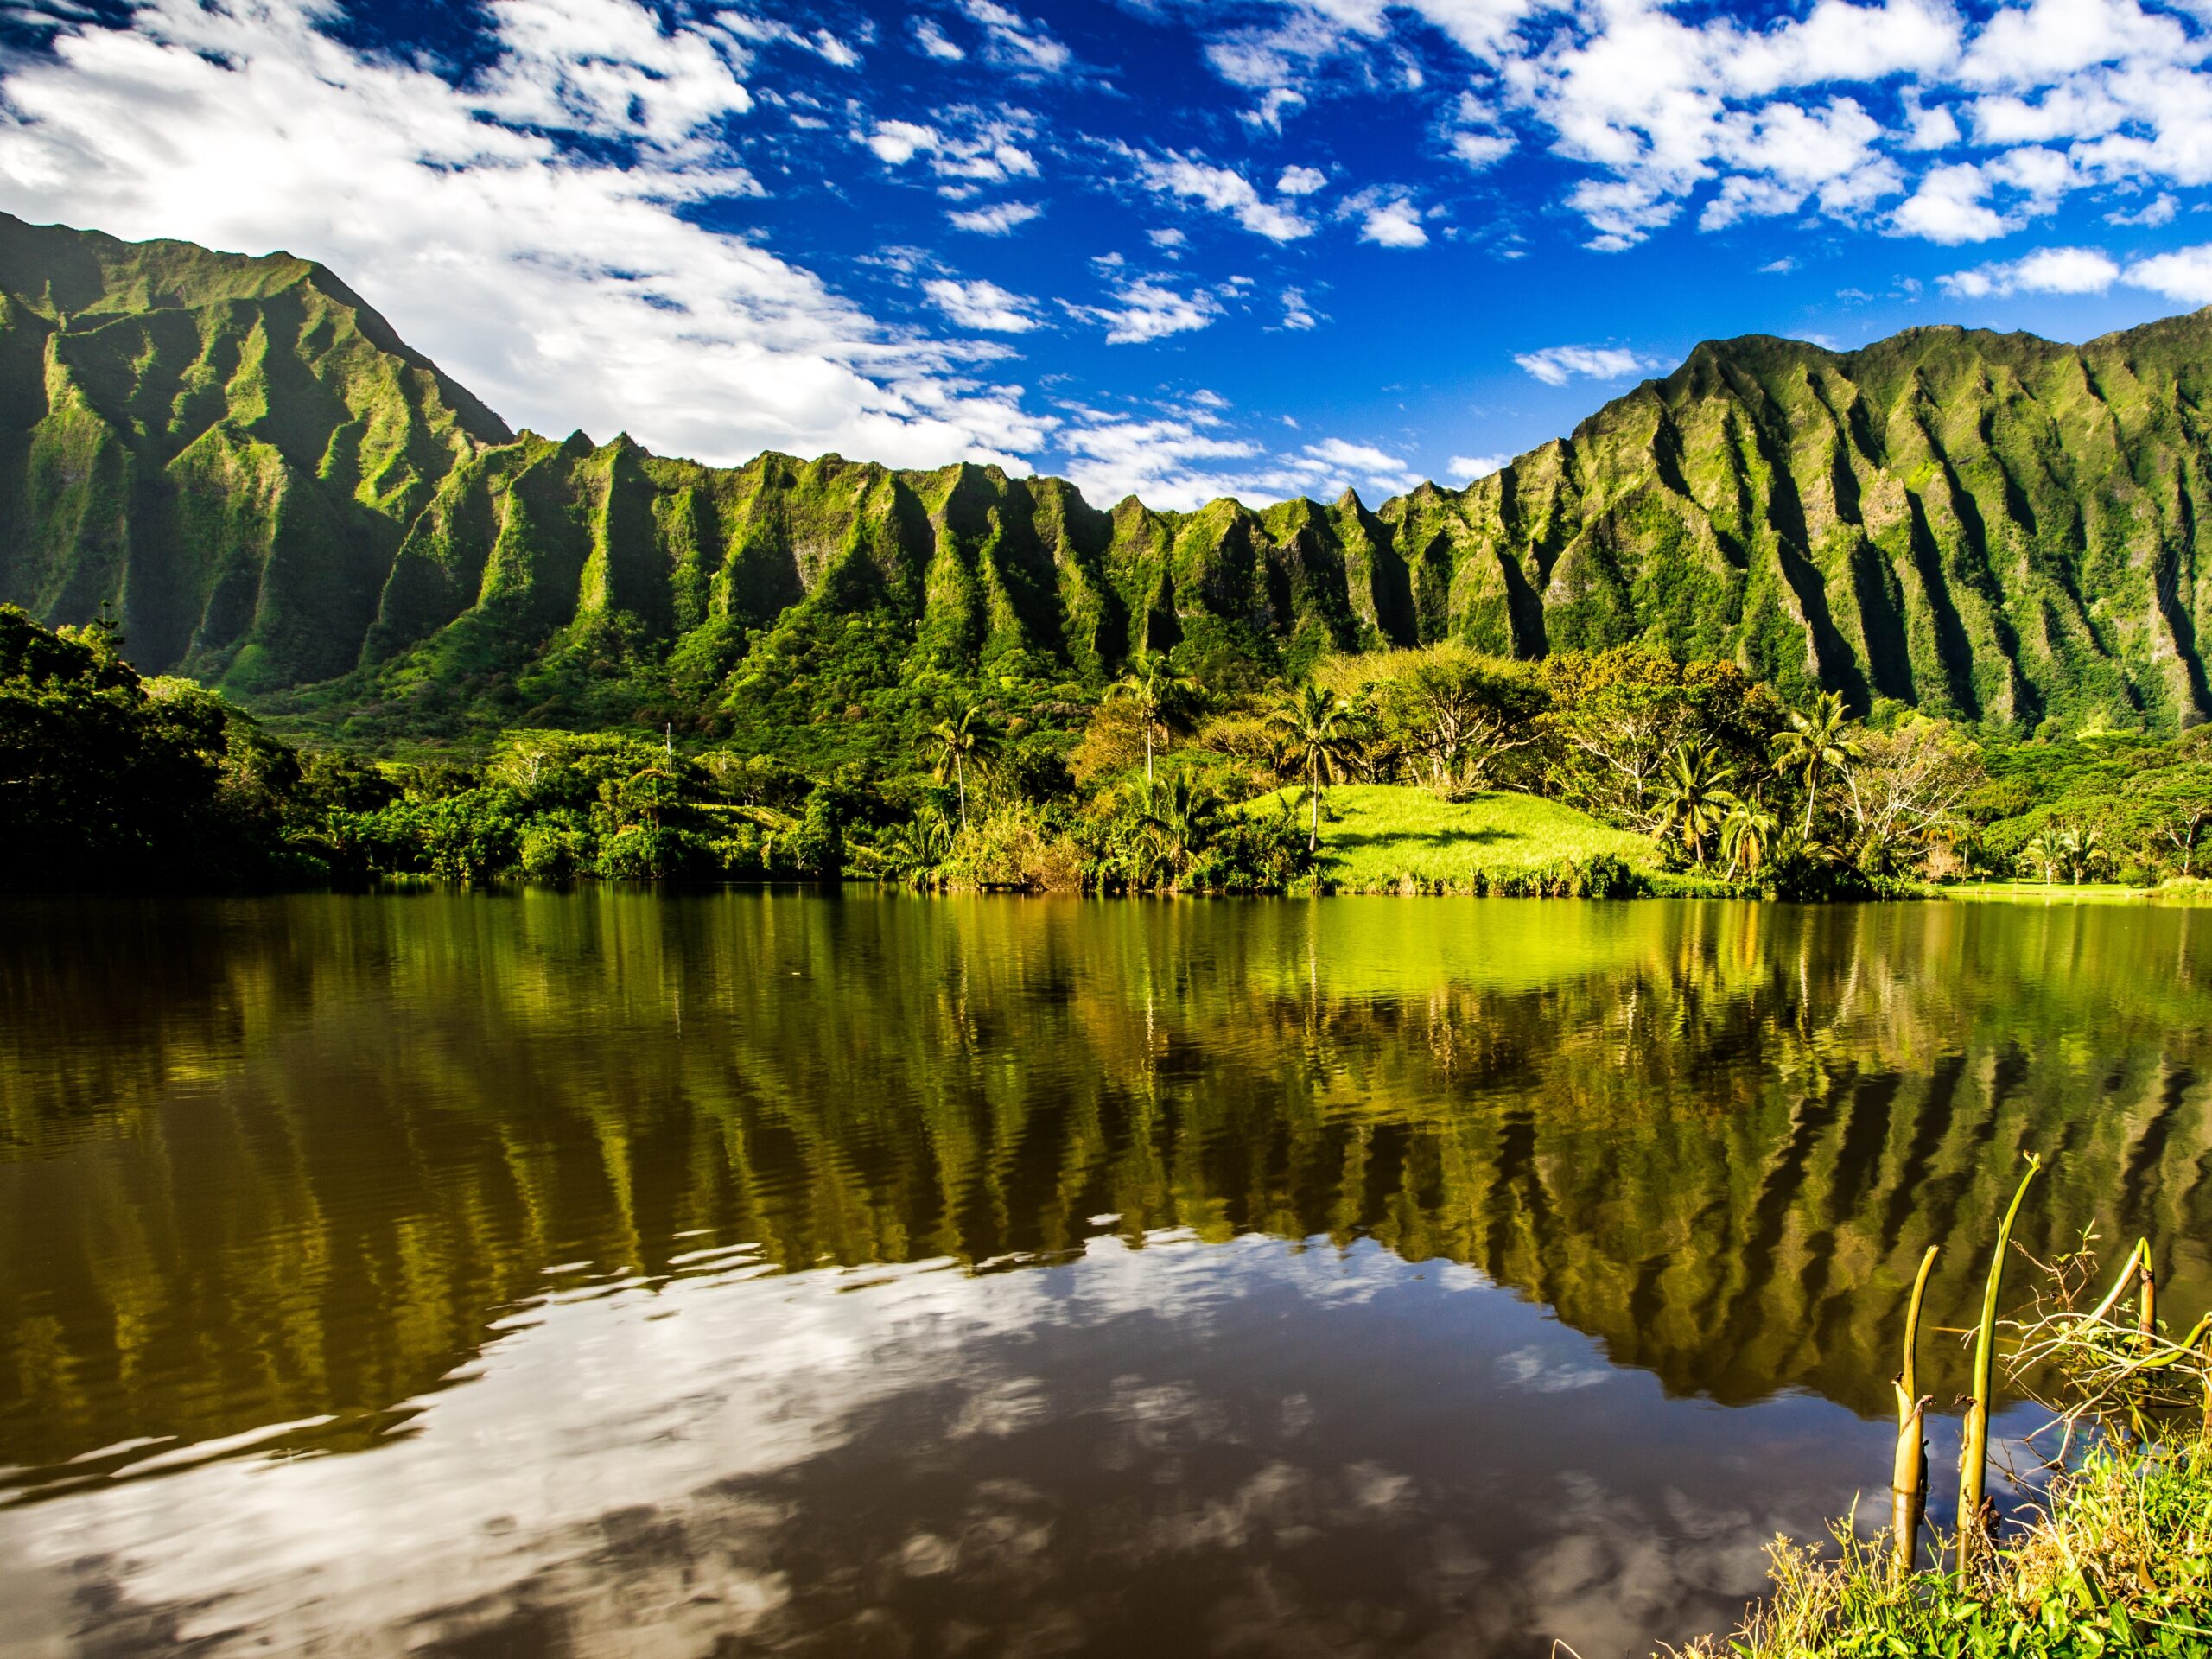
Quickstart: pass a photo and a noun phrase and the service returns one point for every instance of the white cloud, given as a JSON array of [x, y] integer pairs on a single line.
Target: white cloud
[[2159, 211], [970, 146], [1556, 365], [1297, 315], [1301, 180], [1146, 310], [2047, 270], [1472, 467], [983, 305], [1378, 468], [1000, 219], [899, 141], [2035, 44], [2185, 274], [1781, 267], [1268, 113], [932, 42], [1016, 42], [1666, 106], [1160, 462], [566, 290], [1482, 149], [1222, 190], [1948, 208], [1393, 223]]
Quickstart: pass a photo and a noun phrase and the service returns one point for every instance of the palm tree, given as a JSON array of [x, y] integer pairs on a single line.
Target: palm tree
[[919, 845], [1317, 740], [2042, 849], [1178, 825], [2081, 847], [956, 741], [1746, 833], [1160, 697], [1816, 742], [1694, 796]]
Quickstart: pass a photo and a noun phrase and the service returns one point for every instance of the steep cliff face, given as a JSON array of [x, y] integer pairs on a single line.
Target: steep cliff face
[[226, 451], [244, 461]]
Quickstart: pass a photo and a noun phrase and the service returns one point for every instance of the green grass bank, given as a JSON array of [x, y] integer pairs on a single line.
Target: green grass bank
[[1395, 838], [2117, 1564]]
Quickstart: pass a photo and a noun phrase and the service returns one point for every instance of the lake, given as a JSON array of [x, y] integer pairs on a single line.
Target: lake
[[544, 1273]]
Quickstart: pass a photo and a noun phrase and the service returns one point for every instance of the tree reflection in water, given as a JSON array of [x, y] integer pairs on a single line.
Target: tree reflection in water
[[665, 1252]]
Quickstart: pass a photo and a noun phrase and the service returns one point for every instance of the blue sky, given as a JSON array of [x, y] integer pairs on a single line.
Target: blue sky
[[1259, 247]]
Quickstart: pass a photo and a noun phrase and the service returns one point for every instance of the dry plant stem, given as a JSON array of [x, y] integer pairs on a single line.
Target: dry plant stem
[[1908, 1479], [2147, 1322], [1974, 1451]]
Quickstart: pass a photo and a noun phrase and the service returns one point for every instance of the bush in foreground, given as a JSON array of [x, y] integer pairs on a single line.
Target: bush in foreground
[[2118, 1562]]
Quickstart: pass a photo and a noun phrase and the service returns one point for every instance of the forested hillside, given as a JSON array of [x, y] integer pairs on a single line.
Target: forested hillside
[[242, 463]]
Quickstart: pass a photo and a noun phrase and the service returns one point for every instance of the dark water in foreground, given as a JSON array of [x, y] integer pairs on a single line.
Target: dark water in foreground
[[609, 1274]]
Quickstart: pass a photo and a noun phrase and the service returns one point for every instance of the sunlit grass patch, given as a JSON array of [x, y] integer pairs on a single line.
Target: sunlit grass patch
[[2118, 1562], [1385, 838]]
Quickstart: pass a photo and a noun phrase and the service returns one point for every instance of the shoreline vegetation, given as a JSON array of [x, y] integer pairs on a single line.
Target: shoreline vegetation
[[1614, 774], [2112, 1554]]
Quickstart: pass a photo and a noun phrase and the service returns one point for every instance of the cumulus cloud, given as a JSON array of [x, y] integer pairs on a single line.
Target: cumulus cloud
[[1222, 190], [1556, 365], [983, 305], [1016, 43], [2185, 275], [2047, 270], [934, 43], [1165, 462], [1841, 109], [2158, 211], [1472, 467], [1146, 310], [1394, 222], [1297, 315], [568, 283], [1301, 180], [1377, 468], [1949, 208], [1000, 219]]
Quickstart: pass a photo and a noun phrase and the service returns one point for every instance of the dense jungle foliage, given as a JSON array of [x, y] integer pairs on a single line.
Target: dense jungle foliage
[[1164, 782]]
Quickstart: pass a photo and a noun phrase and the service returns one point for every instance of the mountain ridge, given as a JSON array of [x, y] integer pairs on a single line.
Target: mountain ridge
[[243, 460]]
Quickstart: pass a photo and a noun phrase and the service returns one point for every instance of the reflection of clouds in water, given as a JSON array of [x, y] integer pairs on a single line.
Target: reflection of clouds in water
[[1618, 1567], [1010, 1461], [1542, 1373]]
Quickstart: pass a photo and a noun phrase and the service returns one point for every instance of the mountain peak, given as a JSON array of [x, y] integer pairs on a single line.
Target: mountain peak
[[1951, 518]]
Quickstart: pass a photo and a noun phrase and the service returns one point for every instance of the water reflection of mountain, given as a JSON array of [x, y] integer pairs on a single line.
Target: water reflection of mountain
[[266, 1162]]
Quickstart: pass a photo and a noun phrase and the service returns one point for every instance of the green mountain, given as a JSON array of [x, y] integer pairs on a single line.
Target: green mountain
[[243, 461]]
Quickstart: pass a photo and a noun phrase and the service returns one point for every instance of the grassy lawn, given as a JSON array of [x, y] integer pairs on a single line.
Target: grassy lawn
[[1382, 838]]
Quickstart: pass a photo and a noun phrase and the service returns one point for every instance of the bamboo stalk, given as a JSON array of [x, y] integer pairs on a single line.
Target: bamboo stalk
[[2119, 1286], [1909, 1477], [1973, 1449], [2147, 1320]]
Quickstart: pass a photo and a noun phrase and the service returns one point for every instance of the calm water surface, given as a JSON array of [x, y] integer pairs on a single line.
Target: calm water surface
[[602, 1273]]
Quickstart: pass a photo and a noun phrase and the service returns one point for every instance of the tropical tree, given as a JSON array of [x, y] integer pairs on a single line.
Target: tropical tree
[[1318, 739], [2081, 849], [1694, 796], [958, 741], [1817, 744], [1179, 821], [1160, 697], [2184, 819], [2042, 852], [1747, 834], [919, 846]]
